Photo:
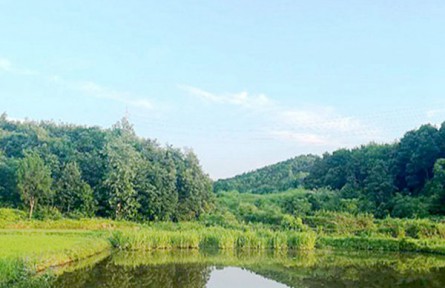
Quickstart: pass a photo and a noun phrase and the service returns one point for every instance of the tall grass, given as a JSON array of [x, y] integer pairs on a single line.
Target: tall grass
[[224, 239], [383, 244]]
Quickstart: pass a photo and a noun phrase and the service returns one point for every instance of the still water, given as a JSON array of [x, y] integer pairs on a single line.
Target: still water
[[187, 269]]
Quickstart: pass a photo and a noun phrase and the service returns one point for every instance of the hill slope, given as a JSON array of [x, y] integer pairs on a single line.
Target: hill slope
[[274, 178]]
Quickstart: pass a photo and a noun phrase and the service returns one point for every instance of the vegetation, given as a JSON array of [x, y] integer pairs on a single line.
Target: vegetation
[[56, 170], [405, 179], [279, 177], [153, 239], [69, 192], [24, 253]]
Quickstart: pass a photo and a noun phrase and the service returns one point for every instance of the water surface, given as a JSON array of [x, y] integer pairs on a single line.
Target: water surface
[[187, 269]]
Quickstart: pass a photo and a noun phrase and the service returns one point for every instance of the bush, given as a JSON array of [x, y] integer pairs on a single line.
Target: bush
[[341, 223], [11, 215], [48, 213], [409, 207], [293, 223], [225, 219], [420, 229], [392, 227]]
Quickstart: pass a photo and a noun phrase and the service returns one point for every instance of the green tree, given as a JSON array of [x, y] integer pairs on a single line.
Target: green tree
[[72, 193], [436, 187], [33, 180], [123, 162], [194, 189], [379, 186], [156, 186]]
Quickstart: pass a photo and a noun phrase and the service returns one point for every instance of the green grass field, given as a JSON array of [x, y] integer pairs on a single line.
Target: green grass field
[[24, 253]]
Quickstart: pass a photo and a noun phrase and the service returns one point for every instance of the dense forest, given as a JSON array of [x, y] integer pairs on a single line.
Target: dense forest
[[402, 179], [54, 170], [274, 178]]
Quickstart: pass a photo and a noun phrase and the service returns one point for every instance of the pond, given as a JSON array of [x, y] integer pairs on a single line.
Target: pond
[[187, 269]]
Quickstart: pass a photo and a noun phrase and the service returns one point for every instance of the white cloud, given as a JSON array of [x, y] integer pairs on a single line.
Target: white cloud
[[301, 138], [99, 91], [306, 126], [320, 119], [242, 99], [90, 88], [7, 66], [434, 113]]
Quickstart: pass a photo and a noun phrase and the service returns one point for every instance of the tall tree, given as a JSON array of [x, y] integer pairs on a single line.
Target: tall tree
[[123, 162], [194, 189], [72, 193], [436, 187], [33, 180]]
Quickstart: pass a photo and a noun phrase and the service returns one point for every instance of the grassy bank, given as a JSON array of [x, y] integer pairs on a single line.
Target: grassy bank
[[25, 253], [382, 244]]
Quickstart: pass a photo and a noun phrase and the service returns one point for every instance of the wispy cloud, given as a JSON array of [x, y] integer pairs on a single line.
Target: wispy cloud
[[320, 126], [88, 88], [96, 90], [242, 99], [432, 113], [301, 138], [7, 66]]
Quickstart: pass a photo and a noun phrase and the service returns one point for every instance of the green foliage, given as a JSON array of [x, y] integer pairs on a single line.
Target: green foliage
[[11, 215], [120, 178], [404, 179], [216, 238], [48, 213], [293, 223], [382, 244], [33, 181], [285, 175], [88, 171], [73, 195], [223, 219], [404, 206], [341, 223]]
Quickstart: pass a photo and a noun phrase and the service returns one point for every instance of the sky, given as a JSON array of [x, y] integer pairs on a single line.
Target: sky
[[243, 83]]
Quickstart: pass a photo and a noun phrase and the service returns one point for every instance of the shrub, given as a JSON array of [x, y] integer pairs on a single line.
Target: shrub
[[420, 229], [48, 213], [293, 223], [12, 215]]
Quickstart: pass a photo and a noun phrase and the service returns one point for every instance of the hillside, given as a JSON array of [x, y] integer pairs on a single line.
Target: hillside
[[274, 178], [402, 179]]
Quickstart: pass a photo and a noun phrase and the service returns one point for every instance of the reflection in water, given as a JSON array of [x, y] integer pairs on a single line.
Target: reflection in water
[[178, 269], [239, 278]]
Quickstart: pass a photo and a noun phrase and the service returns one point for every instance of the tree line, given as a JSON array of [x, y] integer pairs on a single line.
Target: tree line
[[273, 178], [402, 179], [61, 169]]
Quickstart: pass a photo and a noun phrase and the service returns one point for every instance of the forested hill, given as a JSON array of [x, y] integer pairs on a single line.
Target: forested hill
[[402, 179], [274, 178], [52, 169]]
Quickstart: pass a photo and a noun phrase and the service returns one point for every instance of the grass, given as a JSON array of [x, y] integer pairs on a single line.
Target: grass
[[383, 244], [219, 238], [27, 247], [24, 253]]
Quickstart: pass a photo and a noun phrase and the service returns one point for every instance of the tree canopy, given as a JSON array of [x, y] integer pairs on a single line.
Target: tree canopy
[[90, 171], [405, 178]]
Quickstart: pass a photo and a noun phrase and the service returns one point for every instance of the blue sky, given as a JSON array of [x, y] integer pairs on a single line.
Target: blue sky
[[243, 83]]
